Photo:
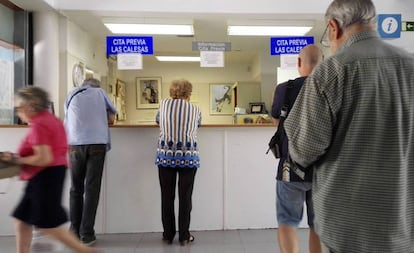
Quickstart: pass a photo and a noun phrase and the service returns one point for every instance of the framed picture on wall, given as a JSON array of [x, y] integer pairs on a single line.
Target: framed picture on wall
[[148, 92], [120, 89], [221, 99], [120, 99]]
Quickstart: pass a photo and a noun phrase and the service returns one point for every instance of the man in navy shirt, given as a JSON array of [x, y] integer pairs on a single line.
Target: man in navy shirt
[[291, 189]]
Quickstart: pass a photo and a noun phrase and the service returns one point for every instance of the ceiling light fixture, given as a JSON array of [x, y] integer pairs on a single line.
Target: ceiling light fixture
[[179, 58], [253, 30], [156, 29]]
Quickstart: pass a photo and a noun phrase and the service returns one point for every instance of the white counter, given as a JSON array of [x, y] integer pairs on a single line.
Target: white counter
[[234, 188]]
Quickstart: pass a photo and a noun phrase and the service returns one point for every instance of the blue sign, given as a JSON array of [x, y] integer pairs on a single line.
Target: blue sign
[[389, 26], [289, 45], [129, 45]]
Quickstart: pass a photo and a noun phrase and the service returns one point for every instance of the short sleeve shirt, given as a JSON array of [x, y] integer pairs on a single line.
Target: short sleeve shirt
[[45, 129]]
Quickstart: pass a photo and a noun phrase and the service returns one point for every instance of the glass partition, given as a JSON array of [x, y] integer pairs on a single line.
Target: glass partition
[[9, 56], [14, 45]]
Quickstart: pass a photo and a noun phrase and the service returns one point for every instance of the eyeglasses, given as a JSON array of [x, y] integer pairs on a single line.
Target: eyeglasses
[[324, 39]]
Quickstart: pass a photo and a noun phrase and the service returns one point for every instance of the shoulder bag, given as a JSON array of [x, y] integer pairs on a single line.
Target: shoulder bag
[[275, 143]]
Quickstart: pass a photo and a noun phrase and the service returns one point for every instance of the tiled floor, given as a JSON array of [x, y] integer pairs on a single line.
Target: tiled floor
[[231, 241]]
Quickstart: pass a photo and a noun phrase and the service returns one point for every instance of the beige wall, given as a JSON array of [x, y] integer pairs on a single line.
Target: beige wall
[[199, 77]]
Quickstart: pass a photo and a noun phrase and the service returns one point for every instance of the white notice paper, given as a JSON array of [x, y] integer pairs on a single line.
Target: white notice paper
[[129, 61], [211, 59], [289, 61]]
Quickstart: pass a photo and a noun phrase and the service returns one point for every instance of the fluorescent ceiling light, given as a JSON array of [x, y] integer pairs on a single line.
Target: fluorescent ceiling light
[[178, 58], [240, 30], [150, 29]]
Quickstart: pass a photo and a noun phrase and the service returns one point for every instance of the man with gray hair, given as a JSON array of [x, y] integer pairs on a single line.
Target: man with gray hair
[[353, 122], [88, 112]]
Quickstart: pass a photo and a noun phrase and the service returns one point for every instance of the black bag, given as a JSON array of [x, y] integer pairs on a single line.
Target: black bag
[[275, 143]]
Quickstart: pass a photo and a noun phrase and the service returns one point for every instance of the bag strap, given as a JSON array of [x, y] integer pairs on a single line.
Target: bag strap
[[74, 94], [286, 106], [296, 168], [285, 109]]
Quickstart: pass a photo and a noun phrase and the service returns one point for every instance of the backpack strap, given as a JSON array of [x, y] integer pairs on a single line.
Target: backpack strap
[[286, 106], [284, 112]]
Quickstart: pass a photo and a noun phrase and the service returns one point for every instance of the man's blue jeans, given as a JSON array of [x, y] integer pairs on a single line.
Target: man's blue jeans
[[86, 167]]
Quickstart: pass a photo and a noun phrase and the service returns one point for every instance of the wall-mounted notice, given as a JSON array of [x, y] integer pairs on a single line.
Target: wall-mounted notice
[[129, 61], [129, 45], [289, 61], [211, 46], [212, 59], [289, 45]]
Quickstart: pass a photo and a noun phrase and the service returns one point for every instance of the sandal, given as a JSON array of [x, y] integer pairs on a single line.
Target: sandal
[[188, 241]]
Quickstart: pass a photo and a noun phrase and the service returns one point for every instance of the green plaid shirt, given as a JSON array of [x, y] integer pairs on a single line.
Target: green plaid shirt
[[354, 122]]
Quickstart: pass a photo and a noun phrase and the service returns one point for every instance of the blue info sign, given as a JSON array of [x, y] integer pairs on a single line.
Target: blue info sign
[[389, 26], [129, 45], [289, 45]]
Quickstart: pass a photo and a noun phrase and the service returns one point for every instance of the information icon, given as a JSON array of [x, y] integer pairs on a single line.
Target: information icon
[[389, 25]]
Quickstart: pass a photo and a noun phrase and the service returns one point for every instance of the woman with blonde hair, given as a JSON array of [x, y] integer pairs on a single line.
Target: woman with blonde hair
[[177, 154]]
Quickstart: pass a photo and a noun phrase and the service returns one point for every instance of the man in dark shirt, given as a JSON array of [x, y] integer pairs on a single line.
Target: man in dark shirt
[[291, 189]]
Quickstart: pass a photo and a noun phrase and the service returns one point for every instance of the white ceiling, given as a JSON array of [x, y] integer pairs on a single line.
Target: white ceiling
[[207, 26]]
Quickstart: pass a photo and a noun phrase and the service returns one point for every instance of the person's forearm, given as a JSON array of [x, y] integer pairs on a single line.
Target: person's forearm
[[42, 157], [34, 160]]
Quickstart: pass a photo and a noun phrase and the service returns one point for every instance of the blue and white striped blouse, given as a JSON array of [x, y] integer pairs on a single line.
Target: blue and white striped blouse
[[177, 144]]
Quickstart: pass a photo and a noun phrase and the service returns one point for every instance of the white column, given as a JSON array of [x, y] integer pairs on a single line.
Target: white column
[[46, 54]]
